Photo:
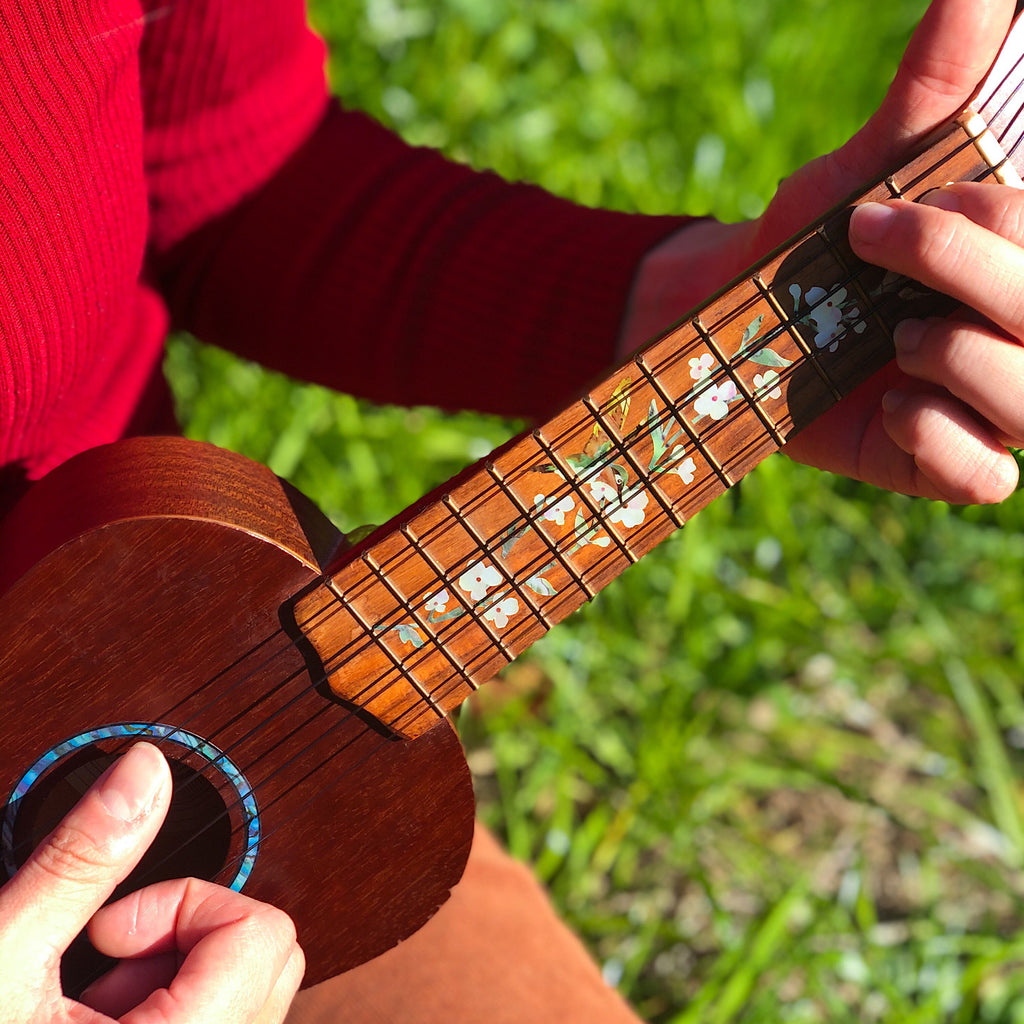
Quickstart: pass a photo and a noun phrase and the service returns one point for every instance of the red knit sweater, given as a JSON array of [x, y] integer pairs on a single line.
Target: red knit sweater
[[179, 160]]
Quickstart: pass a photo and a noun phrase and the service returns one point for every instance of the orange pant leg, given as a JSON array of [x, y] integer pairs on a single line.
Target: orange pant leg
[[495, 953]]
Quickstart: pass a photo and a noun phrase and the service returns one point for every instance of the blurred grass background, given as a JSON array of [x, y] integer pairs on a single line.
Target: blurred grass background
[[773, 771]]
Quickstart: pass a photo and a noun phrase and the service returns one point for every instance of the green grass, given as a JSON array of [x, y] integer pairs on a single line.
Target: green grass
[[772, 773]]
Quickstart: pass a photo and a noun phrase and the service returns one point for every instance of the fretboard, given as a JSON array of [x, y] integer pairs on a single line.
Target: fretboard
[[433, 604]]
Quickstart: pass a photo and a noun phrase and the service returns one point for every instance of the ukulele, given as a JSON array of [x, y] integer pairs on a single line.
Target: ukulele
[[300, 683]]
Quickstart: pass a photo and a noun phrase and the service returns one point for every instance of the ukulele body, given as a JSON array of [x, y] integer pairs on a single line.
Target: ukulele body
[[144, 588]]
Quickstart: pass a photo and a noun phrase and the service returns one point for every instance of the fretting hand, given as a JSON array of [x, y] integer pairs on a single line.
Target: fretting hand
[[195, 953], [937, 422]]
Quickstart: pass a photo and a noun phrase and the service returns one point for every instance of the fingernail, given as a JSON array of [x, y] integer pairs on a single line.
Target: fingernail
[[130, 786], [892, 400], [870, 221], [942, 199], [907, 336]]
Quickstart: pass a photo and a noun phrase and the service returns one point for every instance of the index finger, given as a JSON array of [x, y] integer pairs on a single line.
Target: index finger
[[948, 252], [74, 870]]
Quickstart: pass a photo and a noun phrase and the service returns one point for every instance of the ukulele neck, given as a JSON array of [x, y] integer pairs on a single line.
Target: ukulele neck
[[412, 620]]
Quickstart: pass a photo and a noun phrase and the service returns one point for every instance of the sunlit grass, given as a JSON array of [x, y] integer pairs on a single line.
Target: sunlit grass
[[772, 773]]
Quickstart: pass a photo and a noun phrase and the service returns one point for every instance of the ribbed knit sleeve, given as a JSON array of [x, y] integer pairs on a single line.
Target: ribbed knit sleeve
[[392, 273], [230, 88]]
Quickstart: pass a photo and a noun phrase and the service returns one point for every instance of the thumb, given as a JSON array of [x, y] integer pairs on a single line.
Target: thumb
[[948, 56], [75, 869]]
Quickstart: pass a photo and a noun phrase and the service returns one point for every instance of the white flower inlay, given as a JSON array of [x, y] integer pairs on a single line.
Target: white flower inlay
[[500, 613], [684, 468], [478, 579], [768, 383], [714, 401], [830, 318], [631, 511], [700, 367], [602, 492], [437, 602], [556, 511]]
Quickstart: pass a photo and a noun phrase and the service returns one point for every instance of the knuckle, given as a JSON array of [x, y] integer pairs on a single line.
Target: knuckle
[[937, 243], [279, 925], [1011, 218], [948, 350], [1007, 284], [70, 854]]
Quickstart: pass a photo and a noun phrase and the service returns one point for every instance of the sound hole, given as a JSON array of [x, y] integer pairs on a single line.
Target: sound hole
[[194, 840]]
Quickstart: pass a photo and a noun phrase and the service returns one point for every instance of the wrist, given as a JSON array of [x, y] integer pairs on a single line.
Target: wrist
[[680, 272]]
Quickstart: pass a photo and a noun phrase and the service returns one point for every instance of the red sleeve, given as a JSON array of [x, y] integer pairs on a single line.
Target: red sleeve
[[230, 88], [380, 269]]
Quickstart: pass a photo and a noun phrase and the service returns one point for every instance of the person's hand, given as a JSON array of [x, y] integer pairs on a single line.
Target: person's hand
[[946, 438], [954, 401], [195, 953]]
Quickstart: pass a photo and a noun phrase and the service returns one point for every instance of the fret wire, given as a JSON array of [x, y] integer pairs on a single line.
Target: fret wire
[[529, 568], [410, 610], [737, 381], [537, 563], [422, 593], [388, 653], [681, 420], [485, 546], [451, 630], [588, 592], [627, 454], [571, 477], [854, 279], [894, 190], [445, 637], [381, 680], [344, 653], [765, 341], [341, 655], [873, 308], [578, 425], [470, 610], [333, 663], [321, 615], [666, 419], [529, 520], [794, 334], [851, 278], [888, 299]]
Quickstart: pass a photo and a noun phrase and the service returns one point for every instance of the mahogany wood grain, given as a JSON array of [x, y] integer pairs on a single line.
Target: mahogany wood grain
[[162, 604]]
